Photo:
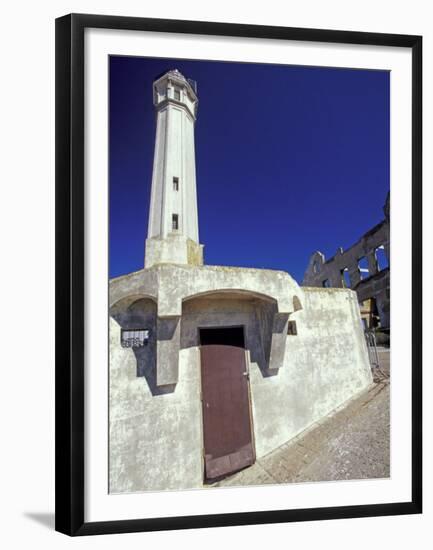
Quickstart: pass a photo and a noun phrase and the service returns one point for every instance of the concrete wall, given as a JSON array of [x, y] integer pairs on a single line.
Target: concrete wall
[[325, 364], [156, 432], [173, 249]]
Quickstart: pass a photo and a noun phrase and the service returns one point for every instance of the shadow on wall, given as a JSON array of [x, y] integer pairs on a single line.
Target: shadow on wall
[[221, 309], [256, 315], [141, 314]]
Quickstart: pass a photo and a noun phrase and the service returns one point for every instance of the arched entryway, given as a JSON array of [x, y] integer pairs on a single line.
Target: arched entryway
[[227, 330]]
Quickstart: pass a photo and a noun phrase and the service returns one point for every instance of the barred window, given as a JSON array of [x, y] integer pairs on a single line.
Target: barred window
[[134, 338]]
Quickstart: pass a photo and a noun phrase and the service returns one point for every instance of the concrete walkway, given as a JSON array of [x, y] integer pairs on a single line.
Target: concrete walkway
[[350, 443]]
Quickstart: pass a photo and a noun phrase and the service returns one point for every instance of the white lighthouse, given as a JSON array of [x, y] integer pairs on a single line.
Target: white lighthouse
[[173, 222]]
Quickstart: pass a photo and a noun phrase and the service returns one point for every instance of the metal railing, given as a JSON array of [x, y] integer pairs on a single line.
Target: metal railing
[[370, 339]]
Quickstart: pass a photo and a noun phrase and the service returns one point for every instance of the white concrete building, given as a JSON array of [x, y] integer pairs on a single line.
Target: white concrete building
[[213, 366]]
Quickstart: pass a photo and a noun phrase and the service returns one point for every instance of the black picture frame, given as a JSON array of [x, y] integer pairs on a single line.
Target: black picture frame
[[70, 285]]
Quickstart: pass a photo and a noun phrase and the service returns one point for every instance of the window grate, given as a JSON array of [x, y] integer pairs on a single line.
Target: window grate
[[134, 338]]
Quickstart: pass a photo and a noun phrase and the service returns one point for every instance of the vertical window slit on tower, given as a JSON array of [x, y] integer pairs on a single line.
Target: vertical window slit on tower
[[175, 184], [175, 222]]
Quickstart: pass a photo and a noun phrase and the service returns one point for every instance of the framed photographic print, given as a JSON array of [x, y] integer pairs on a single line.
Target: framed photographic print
[[230, 349]]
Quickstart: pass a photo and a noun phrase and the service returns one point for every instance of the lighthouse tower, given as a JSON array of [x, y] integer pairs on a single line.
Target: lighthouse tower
[[173, 222]]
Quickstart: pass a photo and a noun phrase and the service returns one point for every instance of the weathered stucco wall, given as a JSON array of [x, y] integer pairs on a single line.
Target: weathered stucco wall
[[155, 435], [156, 432], [325, 364], [173, 249]]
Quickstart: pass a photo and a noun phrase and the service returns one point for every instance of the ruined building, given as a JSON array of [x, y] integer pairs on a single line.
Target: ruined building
[[364, 267], [213, 366]]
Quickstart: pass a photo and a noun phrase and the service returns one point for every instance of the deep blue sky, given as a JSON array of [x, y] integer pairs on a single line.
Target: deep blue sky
[[289, 159]]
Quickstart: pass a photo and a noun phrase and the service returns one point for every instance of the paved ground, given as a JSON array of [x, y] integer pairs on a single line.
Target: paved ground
[[350, 443]]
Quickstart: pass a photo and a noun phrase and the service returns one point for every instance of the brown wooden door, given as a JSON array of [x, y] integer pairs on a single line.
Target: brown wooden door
[[226, 410]]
